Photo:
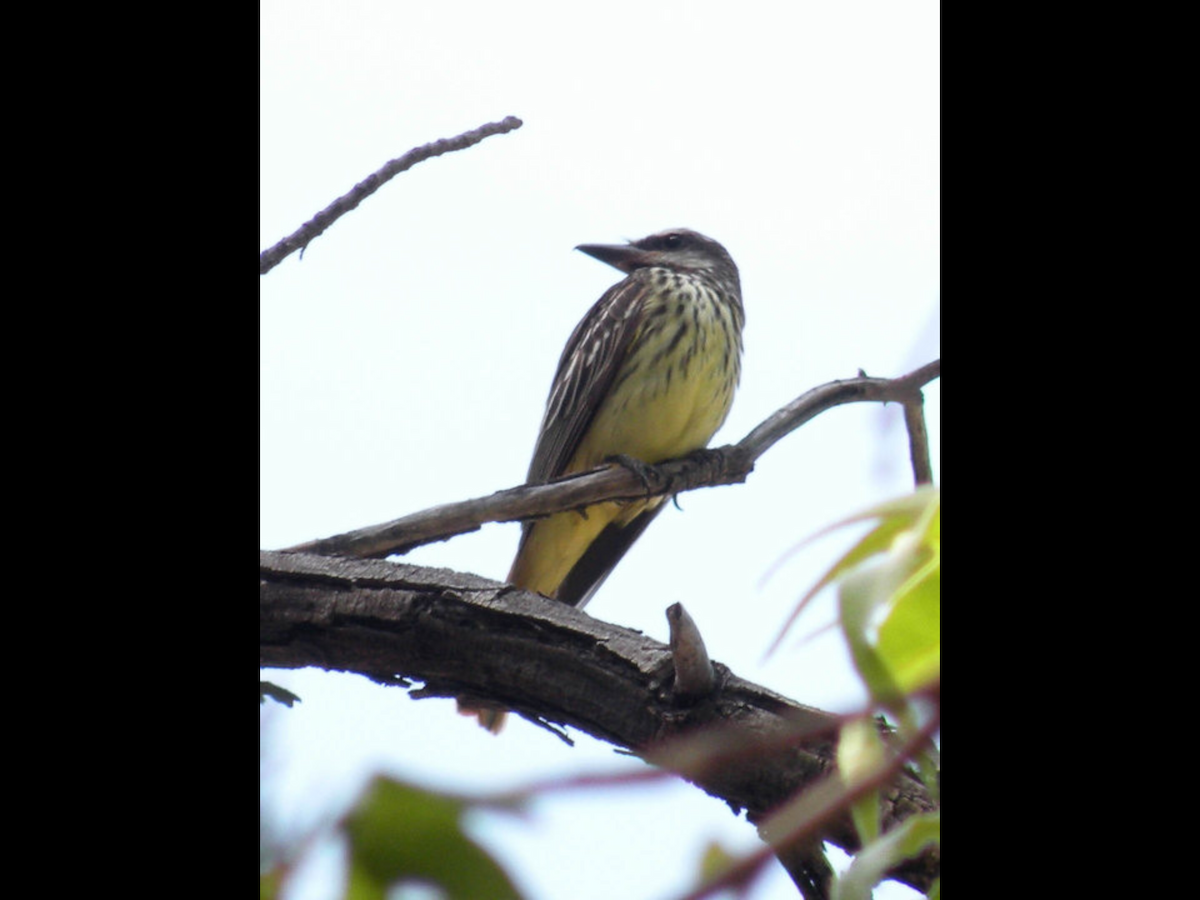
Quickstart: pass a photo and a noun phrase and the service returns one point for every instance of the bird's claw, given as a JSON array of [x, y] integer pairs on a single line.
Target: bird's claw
[[645, 472]]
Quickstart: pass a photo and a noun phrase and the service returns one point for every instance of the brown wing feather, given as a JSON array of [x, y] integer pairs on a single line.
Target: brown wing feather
[[586, 370]]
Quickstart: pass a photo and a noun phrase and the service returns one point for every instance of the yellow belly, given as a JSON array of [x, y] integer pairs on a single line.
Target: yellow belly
[[667, 400]]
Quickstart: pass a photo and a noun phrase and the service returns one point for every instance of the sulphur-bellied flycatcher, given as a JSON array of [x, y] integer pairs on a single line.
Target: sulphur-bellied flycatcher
[[650, 374]]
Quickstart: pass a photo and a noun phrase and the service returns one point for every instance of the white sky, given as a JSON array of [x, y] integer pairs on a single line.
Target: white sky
[[405, 361]]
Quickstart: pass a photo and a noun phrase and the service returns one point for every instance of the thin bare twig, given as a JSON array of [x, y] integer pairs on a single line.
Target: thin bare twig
[[724, 465], [270, 258]]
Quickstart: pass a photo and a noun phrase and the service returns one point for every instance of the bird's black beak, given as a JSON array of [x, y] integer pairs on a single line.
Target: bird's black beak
[[625, 257]]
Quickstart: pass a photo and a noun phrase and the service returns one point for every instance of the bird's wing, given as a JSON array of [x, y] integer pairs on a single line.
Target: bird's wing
[[586, 370]]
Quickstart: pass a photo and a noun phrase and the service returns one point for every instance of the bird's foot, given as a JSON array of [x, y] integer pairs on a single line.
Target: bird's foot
[[646, 473]]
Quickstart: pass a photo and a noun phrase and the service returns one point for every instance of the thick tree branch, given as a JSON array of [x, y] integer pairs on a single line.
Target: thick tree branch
[[314, 227], [465, 635], [724, 465]]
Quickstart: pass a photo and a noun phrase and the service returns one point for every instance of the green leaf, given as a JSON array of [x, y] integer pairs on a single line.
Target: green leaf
[[890, 599], [269, 883], [715, 862], [858, 598], [874, 860], [859, 756], [875, 541], [398, 832], [910, 639]]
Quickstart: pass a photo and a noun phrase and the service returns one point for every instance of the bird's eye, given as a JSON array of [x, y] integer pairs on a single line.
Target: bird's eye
[[672, 241]]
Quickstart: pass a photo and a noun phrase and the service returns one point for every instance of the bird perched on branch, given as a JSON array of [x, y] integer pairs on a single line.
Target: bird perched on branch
[[649, 374]]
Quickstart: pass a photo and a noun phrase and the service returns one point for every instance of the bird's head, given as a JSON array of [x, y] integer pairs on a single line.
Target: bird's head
[[678, 249]]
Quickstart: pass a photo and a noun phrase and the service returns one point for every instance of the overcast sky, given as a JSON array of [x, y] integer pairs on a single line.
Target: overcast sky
[[405, 361]]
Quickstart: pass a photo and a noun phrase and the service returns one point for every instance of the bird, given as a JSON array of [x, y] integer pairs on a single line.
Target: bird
[[648, 375]]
